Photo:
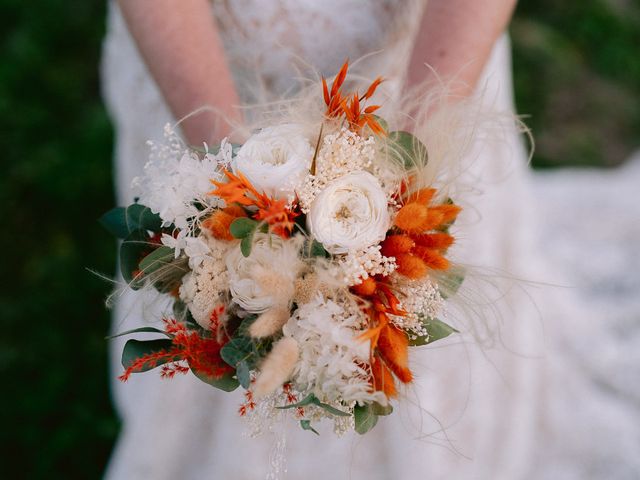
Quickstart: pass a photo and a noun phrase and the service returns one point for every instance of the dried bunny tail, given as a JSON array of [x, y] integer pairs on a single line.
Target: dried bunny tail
[[277, 367]]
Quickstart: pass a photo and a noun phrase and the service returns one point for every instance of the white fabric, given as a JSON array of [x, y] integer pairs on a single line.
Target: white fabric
[[481, 407]]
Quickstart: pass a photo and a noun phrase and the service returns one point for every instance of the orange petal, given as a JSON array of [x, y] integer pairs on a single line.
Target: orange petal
[[411, 266], [396, 244], [382, 378], [393, 346], [372, 87]]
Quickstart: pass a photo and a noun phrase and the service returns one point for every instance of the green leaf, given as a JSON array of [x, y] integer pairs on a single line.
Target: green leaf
[[245, 245], [407, 150], [382, 410], [311, 399], [306, 425], [157, 259], [138, 330], [131, 252], [243, 227], [449, 281], [122, 221], [226, 383], [243, 374], [163, 270], [436, 330], [365, 418], [238, 349], [314, 248], [135, 349], [308, 400]]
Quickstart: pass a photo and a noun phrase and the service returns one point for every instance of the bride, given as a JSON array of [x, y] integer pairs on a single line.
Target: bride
[[163, 61]]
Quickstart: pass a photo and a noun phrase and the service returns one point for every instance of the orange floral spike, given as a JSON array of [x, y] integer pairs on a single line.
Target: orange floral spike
[[235, 211], [393, 346], [411, 266], [278, 216], [449, 212], [396, 244], [423, 196], [366, 288], [340, 78], [371, 108], [237, 190], [218, 224], [325, 92], [372, 88], [436, 241], [412, 217], [382, 378], [431, 258]]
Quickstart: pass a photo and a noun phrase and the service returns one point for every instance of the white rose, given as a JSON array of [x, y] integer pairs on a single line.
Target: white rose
[[265, 278], [350, 213], [275, 160]]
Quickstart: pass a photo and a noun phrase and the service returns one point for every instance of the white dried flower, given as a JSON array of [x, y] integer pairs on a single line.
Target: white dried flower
[[420, 299], [265, 278], [350, 214], [362, 264], [333, 360], [275, 160]]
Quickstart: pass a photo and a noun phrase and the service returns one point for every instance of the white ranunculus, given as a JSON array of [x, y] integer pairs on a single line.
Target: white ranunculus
[[350, 214], [265, 278], [275, 160]]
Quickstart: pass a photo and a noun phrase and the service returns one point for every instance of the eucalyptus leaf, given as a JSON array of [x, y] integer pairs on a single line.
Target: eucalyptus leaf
[[245, 245], [311, 399], [139, 330], [382, 410], [314, 248], [407, 150], [365, 418], [238, 349], [160, 257], [226, 383], [131, 252], [122, 221], [306, 425], [244, 374], [243, 227], [134, 349], [449, 281]]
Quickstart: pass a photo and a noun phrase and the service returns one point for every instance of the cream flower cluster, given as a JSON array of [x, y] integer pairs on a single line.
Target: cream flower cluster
[[332, 360], [341, 153], [203, 288], [360, 265], [420, 299], [176, 182]]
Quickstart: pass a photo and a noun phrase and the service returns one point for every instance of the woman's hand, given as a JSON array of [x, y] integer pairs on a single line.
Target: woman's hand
[[180, 44], [455, 38]]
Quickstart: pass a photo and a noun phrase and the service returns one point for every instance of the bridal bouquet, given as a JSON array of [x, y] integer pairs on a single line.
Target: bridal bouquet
[[303, 266]]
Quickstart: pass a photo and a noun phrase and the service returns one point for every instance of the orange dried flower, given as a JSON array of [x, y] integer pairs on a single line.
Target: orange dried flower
[[431, 258], [366, 288], [411, 266], [396, 244], [382, 378], [412, 217], [393, 346], [218, 224]]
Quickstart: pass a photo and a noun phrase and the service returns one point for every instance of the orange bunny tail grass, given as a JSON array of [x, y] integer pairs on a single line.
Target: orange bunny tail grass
[[431, 258], [393, 346], [411, 266], [366, 288], [218, 225], [449, 212], [436, 241], [396, 244], [423, 196], [412, 217], [382, 378], [235, 211]]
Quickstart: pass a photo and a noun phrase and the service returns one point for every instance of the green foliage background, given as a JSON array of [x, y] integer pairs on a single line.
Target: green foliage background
[[577, 72]]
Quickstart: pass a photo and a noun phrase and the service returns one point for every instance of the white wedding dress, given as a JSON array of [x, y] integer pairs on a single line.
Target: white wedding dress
[[482, 407]]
